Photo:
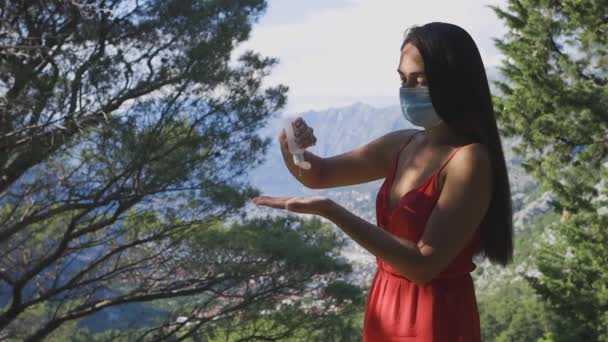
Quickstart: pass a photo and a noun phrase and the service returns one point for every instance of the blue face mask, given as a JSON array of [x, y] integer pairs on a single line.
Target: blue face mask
[[417, 108]]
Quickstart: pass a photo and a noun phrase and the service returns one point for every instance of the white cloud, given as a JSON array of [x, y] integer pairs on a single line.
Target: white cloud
[[348, 54]]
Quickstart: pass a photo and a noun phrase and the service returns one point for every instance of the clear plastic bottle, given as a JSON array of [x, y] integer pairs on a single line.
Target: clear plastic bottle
[[294, 149]]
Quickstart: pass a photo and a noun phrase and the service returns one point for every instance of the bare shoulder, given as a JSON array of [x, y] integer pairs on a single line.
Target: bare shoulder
[[474, 154], [472, 162]]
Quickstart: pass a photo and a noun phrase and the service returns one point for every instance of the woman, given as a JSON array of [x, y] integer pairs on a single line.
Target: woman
[[445, 197]]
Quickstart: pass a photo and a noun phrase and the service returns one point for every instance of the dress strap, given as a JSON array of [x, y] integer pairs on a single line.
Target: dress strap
[[449, 158], [407, 142]]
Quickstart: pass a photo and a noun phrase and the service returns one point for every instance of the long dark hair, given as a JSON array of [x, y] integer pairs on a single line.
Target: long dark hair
[[461, 96]]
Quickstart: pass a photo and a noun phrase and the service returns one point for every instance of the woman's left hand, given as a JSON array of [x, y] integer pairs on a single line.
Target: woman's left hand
[[316, 205]]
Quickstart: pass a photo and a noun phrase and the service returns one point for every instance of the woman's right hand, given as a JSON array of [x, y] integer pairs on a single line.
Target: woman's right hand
[[304, 135]]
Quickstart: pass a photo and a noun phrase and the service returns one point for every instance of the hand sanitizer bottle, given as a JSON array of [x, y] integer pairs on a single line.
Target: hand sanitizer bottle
[[294, 149]]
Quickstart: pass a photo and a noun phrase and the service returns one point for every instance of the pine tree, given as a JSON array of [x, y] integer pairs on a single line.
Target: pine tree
[[555, 97]]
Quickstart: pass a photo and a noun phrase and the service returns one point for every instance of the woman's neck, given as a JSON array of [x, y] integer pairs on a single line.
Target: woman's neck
[[442, 135]]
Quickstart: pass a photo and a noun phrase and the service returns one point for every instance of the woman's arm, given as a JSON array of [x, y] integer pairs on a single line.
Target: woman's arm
[[364, 164], [460, 208]]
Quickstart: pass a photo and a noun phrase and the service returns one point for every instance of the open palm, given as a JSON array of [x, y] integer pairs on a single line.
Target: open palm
[[316, 205]]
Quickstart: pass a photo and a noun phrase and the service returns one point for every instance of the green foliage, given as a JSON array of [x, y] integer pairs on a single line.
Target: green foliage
[[344, 327], [343, 291], [528, 239], [281, 257], [513, 312], [555, 93], [555, 96], [348, 327], [509, 308], [291, 323], [304, 247], [18, 331], [573, 262]]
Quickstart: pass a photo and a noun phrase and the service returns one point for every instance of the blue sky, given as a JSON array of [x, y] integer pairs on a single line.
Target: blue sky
[[338, 52]]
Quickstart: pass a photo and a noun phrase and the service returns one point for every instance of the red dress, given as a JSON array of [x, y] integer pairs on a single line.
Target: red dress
[[398, 310]]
